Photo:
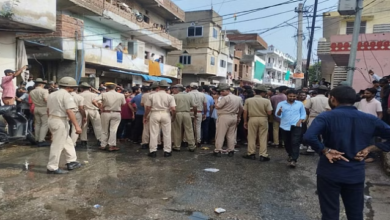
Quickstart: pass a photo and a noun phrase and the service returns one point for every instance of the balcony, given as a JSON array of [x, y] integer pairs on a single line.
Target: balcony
[[106, 57], [275, 66], [166, 8], [252, 40], [122, 18], [22, 16]]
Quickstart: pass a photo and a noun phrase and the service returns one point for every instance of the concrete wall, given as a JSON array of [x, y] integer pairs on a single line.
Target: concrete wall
[[37, 13], [7, 52]]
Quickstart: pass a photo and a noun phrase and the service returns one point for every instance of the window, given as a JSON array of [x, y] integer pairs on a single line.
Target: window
[[223, 63], [215, 33], [185, 60], [195, 31], [212, 62], [381, 28], [146, 19], [107, 43], [235, 67], [362, 27]]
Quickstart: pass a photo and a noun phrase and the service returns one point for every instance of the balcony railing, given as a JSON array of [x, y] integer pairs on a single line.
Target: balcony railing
[[172, 7]]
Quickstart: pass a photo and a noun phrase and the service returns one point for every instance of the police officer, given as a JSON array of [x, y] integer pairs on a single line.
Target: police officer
[[91, 112], [201, 103], [110, 104], [184, 102], [229, 110], [39, 98], [79, 113], [159, 105], [146, 130], [257, 109], [59, 107]]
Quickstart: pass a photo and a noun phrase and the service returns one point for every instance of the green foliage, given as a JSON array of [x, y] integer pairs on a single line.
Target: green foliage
[[180, 66], [315, 72], [7, 7]]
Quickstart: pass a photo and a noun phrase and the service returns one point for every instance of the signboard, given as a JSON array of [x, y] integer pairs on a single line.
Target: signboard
[[298, 75]]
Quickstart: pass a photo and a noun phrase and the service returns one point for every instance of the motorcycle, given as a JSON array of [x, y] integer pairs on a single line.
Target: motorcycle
[[17, 126]]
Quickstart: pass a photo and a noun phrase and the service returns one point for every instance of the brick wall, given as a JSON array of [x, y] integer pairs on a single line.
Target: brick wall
[[66, 27]]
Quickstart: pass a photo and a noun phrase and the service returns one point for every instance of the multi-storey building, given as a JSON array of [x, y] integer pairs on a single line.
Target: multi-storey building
[[251, 66], [373, 47], [89, 34], [205, 50], [279, 65], [28, 16]]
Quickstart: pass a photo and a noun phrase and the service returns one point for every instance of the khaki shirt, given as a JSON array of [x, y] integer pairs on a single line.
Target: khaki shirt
[[145, 97], [111, 100], [160, 101], [60, 101], [38, 96], [199, 99], [88, 98], [229, 104], [258, 106], [78, 99], [317, 105], [184, 102]]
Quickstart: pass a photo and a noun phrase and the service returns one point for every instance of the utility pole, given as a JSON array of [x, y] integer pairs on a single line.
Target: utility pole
[[311, 39], [355, 39], [298, 68]]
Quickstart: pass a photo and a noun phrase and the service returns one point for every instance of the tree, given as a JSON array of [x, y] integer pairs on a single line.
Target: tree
[[315, 72]]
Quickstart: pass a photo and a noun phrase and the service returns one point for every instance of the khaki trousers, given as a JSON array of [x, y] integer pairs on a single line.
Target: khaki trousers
[[73, 134], [311, 119], [276, 126], [183, 122], [146, 134], [257, 128], [198, 126], [59, 128], [41, 126], [93, 116], [160, 120], [226, 127], [110, 124]]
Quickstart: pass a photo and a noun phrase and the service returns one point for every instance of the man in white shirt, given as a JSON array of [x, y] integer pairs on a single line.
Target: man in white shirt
[[369, 104], [30, 82]]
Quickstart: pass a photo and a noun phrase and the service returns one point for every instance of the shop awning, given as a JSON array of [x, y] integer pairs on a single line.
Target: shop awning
[[40, 47], [145, 77]]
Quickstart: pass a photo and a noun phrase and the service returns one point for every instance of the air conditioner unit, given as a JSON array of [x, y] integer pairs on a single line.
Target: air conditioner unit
[[347, 7]]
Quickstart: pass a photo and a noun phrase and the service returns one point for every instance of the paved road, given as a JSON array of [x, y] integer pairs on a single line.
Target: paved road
[[129, 185]]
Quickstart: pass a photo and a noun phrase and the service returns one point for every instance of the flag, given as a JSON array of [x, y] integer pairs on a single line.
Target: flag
[[287, 77]]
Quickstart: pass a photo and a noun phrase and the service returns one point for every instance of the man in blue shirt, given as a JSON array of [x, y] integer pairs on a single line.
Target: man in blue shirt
[[139, 114], [206, 122], [291, 113], [347, 134]]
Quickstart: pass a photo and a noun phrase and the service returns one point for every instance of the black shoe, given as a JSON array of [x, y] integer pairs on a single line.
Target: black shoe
[[231, 154], [160, 147], [289, 159], [184, 144], [73, 165], [153, 154], [250, 157], [264, 159], [191, 150], [43, 144], [217, 154], [167, 154], [145, 146], [177, 150], [99, 143], [59, 171]]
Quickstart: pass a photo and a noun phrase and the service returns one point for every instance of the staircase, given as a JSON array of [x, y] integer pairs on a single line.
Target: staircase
[[339, 74]]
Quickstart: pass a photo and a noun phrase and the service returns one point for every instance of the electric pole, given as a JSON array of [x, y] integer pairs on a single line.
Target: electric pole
[[311, 39], [355, 39], [298, 68]]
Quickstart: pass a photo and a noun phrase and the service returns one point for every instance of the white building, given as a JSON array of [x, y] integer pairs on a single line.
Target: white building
[[277, 66]]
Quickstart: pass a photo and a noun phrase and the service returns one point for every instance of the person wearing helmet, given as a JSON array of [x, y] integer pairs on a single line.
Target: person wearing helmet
[[110, 104], [60, 107]]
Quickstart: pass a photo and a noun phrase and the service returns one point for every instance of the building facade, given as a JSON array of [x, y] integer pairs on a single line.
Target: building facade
[[373, 47], [205, 51], [125, 41], [279, 67]]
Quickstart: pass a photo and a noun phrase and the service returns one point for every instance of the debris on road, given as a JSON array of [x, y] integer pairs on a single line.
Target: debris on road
[[213, 170], [97, 206], [86, 162], [219, 210], [205, 148], [367, 198]]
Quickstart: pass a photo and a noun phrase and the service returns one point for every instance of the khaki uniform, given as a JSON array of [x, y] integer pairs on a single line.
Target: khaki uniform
[[316, 106], [160, 118], [257, 108], [111, 116], [38, 96], [227, 121], [57, 103], [146, 130], [183, 121], [199, 99], [92, 114], [79, 100]]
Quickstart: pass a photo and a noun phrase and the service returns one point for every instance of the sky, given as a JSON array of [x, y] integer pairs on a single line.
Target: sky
[[282, 38]]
